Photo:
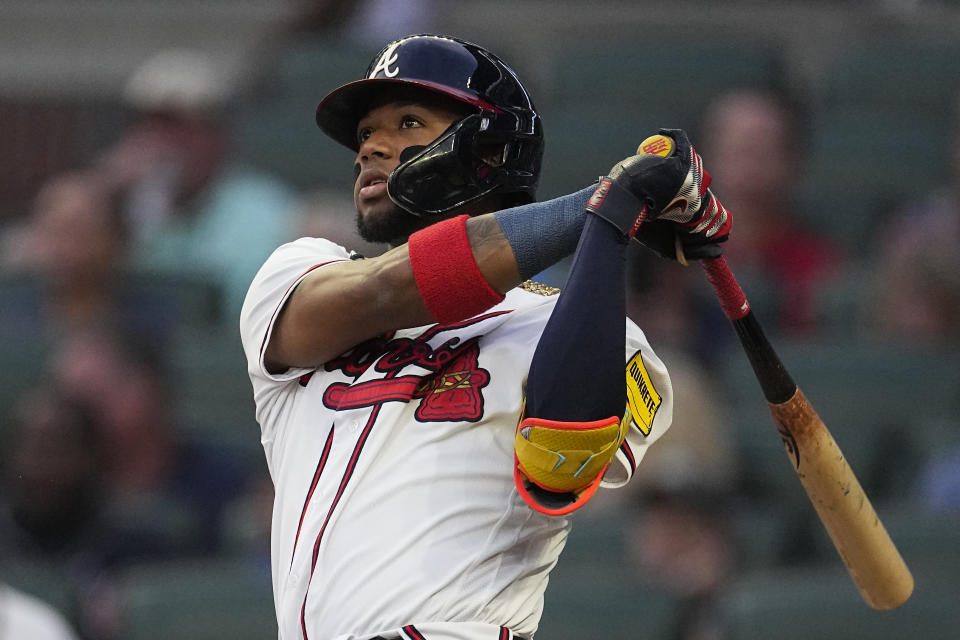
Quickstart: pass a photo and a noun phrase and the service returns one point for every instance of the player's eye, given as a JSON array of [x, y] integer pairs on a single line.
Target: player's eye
[[410, 122], [363, 134]]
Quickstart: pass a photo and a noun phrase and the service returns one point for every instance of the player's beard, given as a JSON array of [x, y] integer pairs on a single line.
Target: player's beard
[[391, 227]]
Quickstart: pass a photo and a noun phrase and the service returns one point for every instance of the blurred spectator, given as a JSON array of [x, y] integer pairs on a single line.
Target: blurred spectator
[[145, 464], [23, 616], [122, 383], [54, 518], [191, 209], [54, 475], [683, 536], [917, 267], [65, 266], [751, 144]]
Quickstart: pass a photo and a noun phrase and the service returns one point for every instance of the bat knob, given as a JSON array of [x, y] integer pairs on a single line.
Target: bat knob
[[658, 145]]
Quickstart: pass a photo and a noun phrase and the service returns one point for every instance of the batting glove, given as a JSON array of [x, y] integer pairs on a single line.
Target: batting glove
[[661, 197]]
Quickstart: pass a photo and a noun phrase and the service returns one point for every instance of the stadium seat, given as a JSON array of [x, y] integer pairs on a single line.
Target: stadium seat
[[799, 603], [210, 388], [594, 592], [585, 141], [44, 580], [603, 602], [592, 120], [683, 78], [863, 163], [200, 600], [881, 132], [23, 360], [275, 129], [911, 73]]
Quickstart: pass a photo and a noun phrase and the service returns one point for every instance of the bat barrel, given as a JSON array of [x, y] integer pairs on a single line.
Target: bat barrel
[[872, 559]]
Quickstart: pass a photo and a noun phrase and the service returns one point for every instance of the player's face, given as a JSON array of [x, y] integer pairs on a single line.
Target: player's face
[[383, 134]]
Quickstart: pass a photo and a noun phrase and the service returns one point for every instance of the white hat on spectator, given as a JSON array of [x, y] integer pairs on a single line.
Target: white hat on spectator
[[178, 80]]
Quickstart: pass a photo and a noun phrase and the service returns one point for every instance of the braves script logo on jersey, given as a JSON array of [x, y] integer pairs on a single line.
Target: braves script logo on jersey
[[388, 58], [451, 390]]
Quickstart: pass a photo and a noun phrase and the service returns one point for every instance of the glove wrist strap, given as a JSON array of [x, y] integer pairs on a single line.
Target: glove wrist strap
[[618, 206]]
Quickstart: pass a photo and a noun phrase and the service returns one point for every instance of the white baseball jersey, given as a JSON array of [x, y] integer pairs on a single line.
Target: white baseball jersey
[[396, 513]]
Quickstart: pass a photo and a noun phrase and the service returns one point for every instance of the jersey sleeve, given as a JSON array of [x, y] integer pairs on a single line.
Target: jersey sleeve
[[269, 291], [649, 405]]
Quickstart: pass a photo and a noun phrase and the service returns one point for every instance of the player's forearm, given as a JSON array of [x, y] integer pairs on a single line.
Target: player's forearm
[[337, 307], [493, 253]]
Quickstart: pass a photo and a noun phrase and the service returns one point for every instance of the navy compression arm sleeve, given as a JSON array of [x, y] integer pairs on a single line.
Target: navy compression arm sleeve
[[543, 233], [577, 373]]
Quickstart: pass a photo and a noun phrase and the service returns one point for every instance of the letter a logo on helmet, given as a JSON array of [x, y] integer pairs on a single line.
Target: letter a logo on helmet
[[453, 170], [387, 58]]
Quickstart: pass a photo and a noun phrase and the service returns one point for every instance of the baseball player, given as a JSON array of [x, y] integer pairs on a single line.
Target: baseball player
[[430, 417]]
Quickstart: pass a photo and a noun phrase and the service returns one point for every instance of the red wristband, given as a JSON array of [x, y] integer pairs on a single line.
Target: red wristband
[[447, 274]]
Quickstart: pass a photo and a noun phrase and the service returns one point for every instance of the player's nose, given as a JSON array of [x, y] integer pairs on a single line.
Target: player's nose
[[377, 144]]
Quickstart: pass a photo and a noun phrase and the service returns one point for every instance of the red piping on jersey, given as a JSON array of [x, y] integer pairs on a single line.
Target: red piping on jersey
[[313, 485], [413, 632], [263, 343], [630, 457], [347, 474], [504, 633]]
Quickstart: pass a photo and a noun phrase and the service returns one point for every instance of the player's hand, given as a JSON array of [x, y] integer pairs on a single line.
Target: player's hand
[[664, 176], [664, 181], [671, 240], [694, 222]]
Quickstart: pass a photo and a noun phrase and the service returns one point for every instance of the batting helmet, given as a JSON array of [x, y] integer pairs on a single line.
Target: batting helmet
[[451, 171]]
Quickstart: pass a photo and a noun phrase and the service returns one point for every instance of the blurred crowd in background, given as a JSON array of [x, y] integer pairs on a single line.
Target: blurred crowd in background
[[135, 502]]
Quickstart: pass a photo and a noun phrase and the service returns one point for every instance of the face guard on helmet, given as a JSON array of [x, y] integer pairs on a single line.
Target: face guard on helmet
[[495, 150]]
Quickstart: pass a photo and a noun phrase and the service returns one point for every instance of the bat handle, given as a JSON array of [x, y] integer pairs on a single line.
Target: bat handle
[[731, 297], [775, 381]]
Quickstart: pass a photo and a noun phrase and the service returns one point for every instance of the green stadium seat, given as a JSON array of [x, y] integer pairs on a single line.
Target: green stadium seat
[[211, 393], [683, 78], [23, 362], [881, 132], [584, 141], [45, 580], [912, 73], [609, 602], [875, 156], [275, 129], [200, 600], [799, 603], [592, 119], [594, 592]]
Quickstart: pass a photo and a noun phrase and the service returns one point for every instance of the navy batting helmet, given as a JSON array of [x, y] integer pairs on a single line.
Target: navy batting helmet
[[451, 171]]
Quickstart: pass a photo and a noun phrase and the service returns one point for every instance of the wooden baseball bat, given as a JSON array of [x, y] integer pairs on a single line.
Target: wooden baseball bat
[[859, 536], [874, 563]]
